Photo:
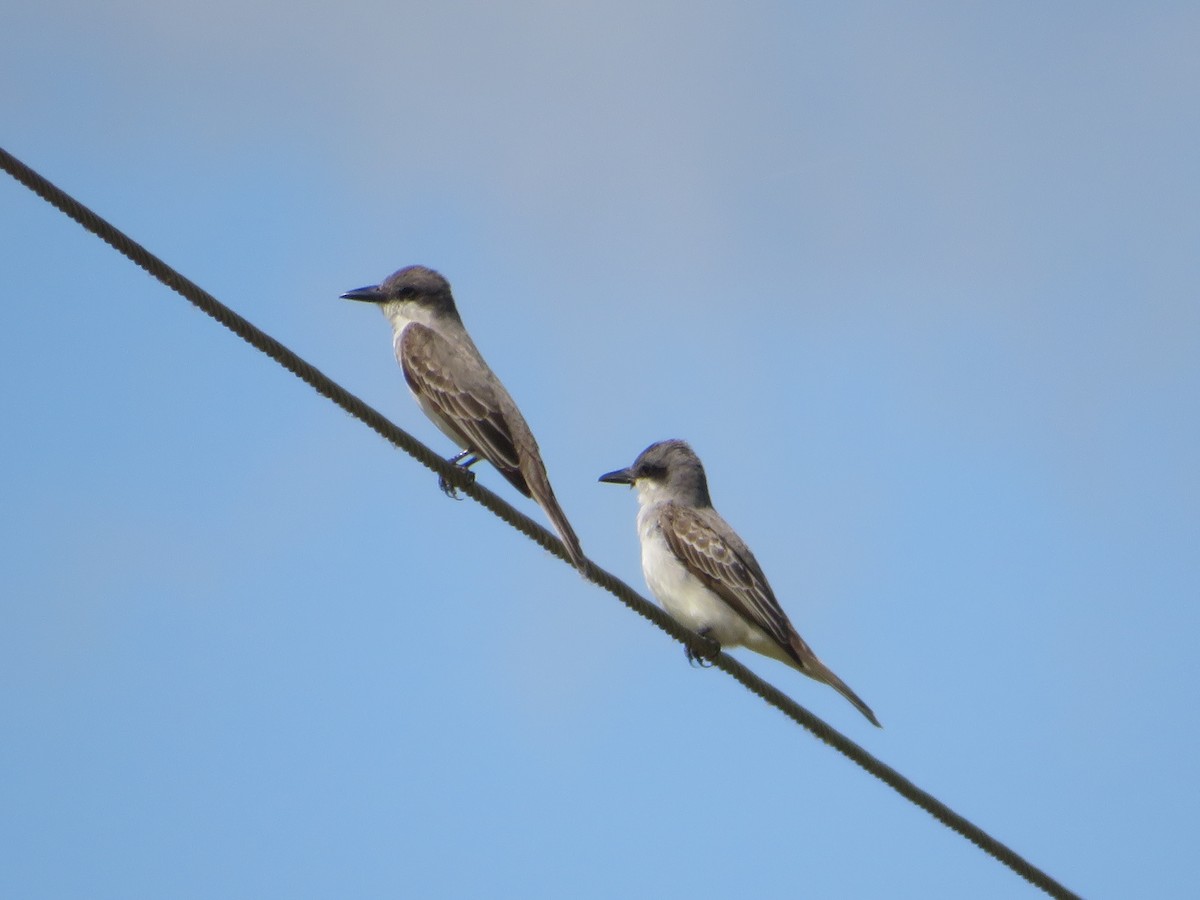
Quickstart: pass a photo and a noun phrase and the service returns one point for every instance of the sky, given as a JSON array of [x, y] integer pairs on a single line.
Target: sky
[[918, 282]]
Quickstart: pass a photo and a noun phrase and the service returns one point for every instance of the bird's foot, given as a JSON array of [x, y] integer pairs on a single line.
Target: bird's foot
[[449, 489], [695, 658], [464, 461]]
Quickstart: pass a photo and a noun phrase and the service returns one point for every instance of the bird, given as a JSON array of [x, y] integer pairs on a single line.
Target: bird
[[703, 573], [458, 391]]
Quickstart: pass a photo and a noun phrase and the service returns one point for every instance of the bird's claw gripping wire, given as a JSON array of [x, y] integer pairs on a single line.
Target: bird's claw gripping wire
[[444, 484], [696, 658]]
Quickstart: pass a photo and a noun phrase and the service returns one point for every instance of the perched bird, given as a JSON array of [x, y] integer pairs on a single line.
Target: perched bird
[[458, 392], [703, 573]]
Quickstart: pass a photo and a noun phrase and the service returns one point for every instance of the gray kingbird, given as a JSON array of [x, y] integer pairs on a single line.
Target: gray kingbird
[[703, 573], [458, 392]]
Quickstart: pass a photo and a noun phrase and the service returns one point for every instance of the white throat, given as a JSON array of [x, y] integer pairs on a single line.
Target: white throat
[[401, 315], [651, 492]]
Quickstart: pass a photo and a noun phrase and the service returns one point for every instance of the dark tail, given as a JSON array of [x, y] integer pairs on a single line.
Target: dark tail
[[540, 490], [814, 668], [844, 689], [565, 531]]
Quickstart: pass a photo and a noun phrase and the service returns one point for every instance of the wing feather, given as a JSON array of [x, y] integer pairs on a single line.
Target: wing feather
[[714, 553], [461, 393], [722, 561]]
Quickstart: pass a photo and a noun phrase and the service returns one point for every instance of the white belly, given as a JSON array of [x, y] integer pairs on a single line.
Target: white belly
[[689, 601], [685, 597]]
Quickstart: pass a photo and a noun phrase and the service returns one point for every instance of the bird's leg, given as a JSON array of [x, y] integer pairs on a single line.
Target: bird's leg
[[699, 659], [447, 488]]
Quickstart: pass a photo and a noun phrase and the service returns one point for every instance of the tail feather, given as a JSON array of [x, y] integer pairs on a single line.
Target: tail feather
[[539, 488], [814, 668], [565, 531], [844, 689]]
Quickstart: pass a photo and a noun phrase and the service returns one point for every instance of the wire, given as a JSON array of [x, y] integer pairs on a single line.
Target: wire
[[464, 481]]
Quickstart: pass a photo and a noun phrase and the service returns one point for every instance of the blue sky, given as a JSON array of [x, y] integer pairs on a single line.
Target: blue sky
[[921, 286]]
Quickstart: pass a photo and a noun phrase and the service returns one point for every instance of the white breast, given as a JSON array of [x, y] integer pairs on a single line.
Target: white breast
[[682, 594]]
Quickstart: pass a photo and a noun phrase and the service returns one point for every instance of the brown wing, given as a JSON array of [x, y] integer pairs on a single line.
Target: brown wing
[[459, 389], [714, 553]]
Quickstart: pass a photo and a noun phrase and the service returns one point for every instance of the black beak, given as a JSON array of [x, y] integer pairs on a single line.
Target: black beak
[[370, 294], [620, 476]]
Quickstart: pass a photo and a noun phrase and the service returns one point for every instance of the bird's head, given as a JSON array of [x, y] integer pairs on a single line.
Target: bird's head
[[414, 293], [667, 470]]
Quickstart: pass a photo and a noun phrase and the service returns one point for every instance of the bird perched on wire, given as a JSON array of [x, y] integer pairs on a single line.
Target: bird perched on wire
[[703, 573], [458, 391]]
